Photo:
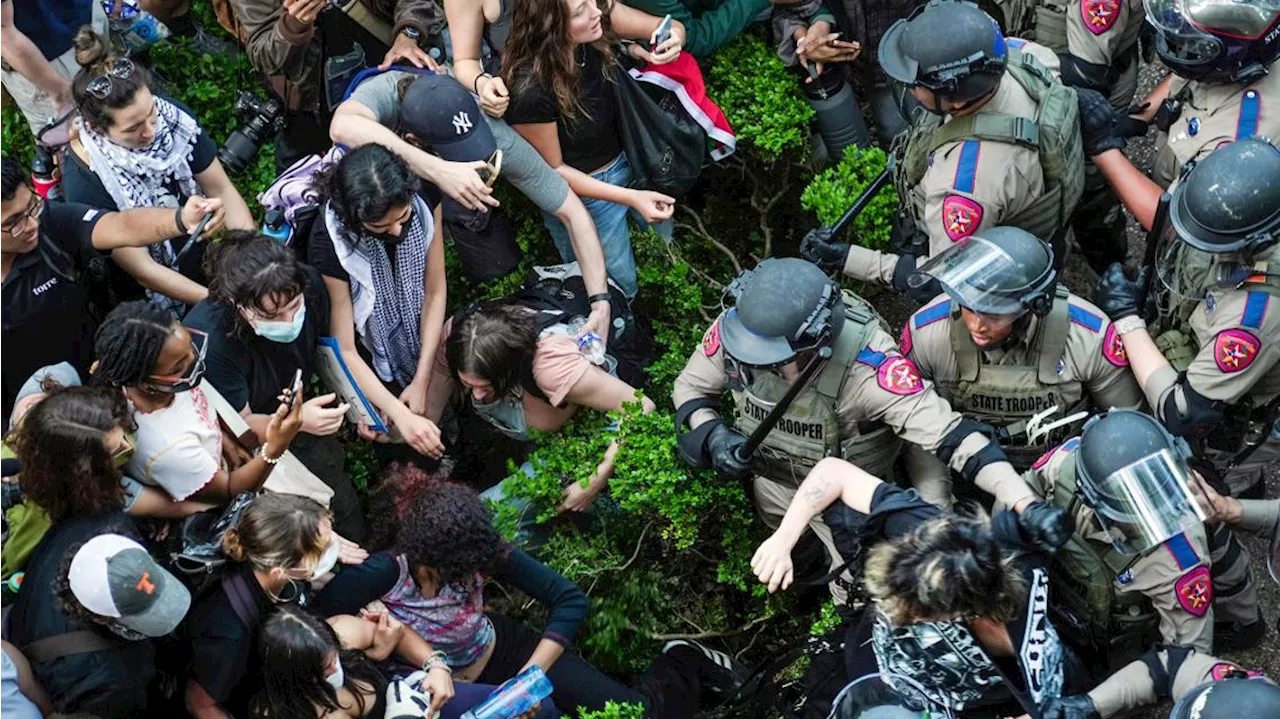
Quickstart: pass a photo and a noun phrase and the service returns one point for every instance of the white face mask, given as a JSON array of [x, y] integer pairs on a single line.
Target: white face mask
[[337, 678], [327, 561]]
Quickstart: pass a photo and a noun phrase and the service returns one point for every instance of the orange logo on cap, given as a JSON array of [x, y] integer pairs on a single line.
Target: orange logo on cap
[[145, 585]]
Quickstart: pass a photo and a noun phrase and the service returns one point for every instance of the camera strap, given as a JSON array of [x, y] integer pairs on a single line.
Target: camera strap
[[379, 28]]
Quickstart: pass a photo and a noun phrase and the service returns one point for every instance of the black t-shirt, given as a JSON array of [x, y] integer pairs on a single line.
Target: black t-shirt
[[248, 369], [321, 253], [82, 184], [108, 683], [590, 140], [46, 317]]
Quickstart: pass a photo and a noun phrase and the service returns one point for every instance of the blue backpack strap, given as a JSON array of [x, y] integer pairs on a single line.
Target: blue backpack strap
[[369, 72]]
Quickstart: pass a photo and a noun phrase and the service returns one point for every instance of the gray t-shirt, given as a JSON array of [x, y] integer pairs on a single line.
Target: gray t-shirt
[[522, 166]]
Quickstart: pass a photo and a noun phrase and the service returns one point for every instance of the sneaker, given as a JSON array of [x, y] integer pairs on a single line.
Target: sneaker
[[728, 674], [1234, 636]]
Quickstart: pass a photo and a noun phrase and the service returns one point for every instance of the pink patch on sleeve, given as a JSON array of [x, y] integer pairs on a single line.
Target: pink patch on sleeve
[[1234, 350], [1113, 348], [960, 216], [898, 375], [1099, 15], [711, 340], [1194, 591], [905, 342]]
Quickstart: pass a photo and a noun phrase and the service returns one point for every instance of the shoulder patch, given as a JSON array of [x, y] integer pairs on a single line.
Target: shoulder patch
[[870, 357], [1234, 350], [1113, 348], [1099, 15], [1255, 309], [1226, 670], [898, 375], [1084, 318], [1016, 43], [1250, 111], [1195, 591], [711, 340], [1125, 578], [967, 166], [1065, 447], [960, 216], [929, 315], [1182, 551], [905, 342]]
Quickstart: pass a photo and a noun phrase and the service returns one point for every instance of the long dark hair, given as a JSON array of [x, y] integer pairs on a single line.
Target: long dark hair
[[447, 528], [66, 468], [252, 271], [493, 341], [93, 54], [366, 184], [540, 53], [295, 646], [128, 343]]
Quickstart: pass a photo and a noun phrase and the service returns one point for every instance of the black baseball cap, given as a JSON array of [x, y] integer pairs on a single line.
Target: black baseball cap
[[442, 115]]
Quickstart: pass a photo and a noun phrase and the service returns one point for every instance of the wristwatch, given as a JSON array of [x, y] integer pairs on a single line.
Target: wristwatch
[[1132, 323], [412, 33]]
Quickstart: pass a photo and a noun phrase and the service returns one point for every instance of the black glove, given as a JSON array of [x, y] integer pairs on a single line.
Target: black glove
[[818, 248], [722, 446], [1116, 294], [1078, 706], [1130, 126], [907, 239], [1099, 123], [1046, 527]]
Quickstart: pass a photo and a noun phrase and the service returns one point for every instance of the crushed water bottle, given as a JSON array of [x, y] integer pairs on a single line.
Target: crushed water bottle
[[589, 344], [137, 28], [516, 696]]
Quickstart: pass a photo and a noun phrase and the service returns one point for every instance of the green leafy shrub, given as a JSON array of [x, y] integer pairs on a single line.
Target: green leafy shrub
[[835, 189], [761, 100], [614, 710]]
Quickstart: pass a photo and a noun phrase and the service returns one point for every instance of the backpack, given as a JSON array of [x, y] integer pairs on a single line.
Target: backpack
[[200, 561], [1054, 132]]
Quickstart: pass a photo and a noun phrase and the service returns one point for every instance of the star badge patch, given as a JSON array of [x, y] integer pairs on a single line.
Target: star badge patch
[[1194, 591], [1113, 348], [960, 216], [711, 340], [899, 375], [1235, 350], [1099, 15]]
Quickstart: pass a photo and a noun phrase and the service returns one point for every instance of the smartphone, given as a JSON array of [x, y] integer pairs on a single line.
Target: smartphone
[[493, 168], [295, 389], [663, 33]]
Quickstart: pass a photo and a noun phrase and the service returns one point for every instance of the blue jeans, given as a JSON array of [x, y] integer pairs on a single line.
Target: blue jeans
[[611, 224]]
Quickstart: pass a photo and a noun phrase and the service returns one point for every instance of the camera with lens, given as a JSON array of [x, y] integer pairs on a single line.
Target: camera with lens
[[262, 119]]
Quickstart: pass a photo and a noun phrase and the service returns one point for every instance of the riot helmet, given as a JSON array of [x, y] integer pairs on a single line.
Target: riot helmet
[[996, 271], [1233, 698], [1220, 41], [949, 47], [784, 307], [884, 696], [1228, 202], [1134, 475]]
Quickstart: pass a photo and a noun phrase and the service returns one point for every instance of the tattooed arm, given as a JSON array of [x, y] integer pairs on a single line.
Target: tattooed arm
[[830, 479]]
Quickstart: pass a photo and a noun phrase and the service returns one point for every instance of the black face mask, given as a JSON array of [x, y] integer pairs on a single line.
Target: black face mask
[[388, 239]]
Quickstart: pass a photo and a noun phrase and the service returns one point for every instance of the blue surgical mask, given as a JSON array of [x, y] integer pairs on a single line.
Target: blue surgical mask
[[282, 332], [338, 677]]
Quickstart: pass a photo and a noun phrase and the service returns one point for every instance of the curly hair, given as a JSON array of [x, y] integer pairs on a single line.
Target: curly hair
[[400, 483], [492, 340], [446, 527], [947, 568], [249, 270], [66, 467], [540, 53]]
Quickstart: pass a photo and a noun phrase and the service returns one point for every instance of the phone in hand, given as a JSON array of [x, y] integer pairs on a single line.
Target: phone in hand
[[663, 33], [295, 389]]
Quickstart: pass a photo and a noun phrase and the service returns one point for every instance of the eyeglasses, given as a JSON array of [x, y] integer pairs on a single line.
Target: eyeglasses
[[33, 211], [100, 87]]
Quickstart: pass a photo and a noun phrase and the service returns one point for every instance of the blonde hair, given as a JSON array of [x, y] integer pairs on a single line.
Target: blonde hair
[[947, 568], [278, 531]]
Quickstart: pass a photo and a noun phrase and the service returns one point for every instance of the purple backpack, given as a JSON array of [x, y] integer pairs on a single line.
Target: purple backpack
[[294, 195]]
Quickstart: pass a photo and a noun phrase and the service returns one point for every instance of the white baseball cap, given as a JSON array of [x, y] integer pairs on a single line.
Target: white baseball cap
[[114, 576]]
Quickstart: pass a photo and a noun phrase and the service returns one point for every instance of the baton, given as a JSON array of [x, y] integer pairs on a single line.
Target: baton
[[863, 200], [1153, 238], [195, 234], [748, 448]]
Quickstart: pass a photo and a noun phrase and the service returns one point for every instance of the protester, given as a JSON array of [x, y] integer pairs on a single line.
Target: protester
[[264, 318], [558, 63], [46, 253], [20, 693], [137, 149], [35, 43], [378, 244], [710, 25]]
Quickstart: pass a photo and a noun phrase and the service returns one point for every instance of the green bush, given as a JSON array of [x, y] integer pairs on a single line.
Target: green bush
[[761, 100], [614, 710], [836, 188]]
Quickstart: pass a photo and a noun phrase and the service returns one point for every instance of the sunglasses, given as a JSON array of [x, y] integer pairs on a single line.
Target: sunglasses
[[121, 69], [34, 208], [194, 373], [125, 447]]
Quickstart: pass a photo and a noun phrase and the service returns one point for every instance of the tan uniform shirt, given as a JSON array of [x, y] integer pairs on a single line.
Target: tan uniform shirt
[[1105, 32], [970, 184], [1174, 576], [1132, 686], [894, 394], [1215, 114]]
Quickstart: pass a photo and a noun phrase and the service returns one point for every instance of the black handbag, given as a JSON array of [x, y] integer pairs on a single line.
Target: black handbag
[[664, 145], [200, 560]]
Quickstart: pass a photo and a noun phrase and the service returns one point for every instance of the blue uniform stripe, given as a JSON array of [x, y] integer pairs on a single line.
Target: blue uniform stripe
[[1250, 111], [1255, 310], [870, 357], [1085, 318], [1182, 552], [967, 170], [929, 315]]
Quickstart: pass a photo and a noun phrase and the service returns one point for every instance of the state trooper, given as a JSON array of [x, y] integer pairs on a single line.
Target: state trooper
[[996, 143], [1210, 362], [1008, 345], [1203, 687], [863, 402]]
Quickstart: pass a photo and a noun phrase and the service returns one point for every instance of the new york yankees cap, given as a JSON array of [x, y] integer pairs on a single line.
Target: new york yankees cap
[[443, 116], [114, 576]]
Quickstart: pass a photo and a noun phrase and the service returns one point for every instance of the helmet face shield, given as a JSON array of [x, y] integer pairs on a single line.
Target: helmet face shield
[[1184, 19], [980, 276], [1144, 503], [884, 696]]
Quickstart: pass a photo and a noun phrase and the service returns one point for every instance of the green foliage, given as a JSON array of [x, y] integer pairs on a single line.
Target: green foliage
[[836, 188], [761, 100], [361, 463], [18, 142], [614, 710], [828, 620]]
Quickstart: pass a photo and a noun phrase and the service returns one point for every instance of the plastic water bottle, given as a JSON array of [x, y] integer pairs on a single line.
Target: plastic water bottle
[[275, 226], [516, 696], [138, 29], [589, 344]]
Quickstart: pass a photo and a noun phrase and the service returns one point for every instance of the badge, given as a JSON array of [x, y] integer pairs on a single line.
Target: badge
[[1235, 350], [1099, 15], [960, 216], [1125, 578], [1062, 366], [711, 340], [1210, 302], [1113, 348], [1193, 126], [1194, 591], [904, 340], [899, 375]]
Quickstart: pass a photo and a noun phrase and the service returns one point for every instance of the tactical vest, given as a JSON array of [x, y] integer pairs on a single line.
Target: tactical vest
[[810, 429], [1045, 22], [1112, 626], [1007, 396], [1054, 133]]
